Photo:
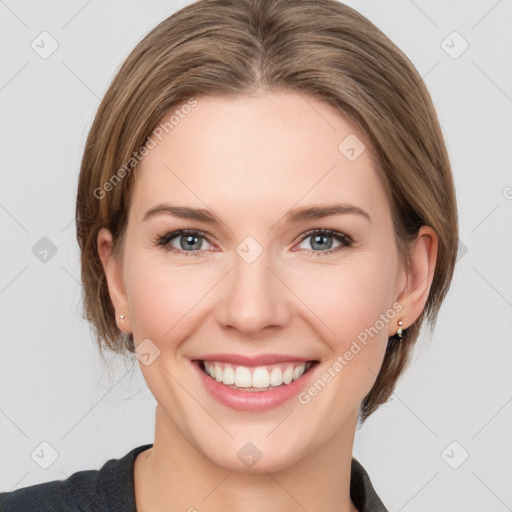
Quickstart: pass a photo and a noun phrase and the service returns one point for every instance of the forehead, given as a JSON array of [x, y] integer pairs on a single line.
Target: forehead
[[265, 153]]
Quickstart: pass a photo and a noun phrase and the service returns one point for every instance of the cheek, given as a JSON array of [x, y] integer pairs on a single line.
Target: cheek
[[167, 297], [342, 299], [352, 305], [347, 296]]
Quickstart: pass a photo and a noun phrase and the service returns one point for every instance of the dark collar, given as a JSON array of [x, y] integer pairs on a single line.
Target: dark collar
[[116, 485], [362, 492], [112, 489]]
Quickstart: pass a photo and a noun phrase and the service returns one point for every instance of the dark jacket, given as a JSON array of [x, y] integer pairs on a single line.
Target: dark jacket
[[111, 489]]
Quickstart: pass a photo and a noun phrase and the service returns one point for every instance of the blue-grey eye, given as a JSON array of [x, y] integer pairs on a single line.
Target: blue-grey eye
[[322, 240], [188, 241]]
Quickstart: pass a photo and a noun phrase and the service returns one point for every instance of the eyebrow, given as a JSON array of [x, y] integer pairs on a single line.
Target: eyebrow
[[293, 216]]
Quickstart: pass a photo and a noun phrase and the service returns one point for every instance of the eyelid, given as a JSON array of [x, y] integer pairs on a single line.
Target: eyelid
[[164, 240], [345, 241], [326, 231]]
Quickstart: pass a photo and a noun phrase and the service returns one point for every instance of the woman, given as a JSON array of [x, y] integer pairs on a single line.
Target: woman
[[266, 217]]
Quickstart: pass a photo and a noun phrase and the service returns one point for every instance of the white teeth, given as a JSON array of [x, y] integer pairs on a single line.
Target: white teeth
[[288, 375], [298, 372], [229, 375], [242, 377], [276, 377], [261, 377]]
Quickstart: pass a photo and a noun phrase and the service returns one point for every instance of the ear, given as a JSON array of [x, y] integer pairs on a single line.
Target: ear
[[418, 276], [114, 273]]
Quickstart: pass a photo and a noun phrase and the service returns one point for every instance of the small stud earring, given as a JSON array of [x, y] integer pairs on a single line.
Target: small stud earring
[[121, 317], [399, 331]]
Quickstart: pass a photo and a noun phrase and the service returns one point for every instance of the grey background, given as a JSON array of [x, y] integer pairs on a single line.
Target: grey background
[[55, 388]]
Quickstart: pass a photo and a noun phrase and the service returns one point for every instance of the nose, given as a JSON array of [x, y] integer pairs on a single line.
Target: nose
[[254, 299]]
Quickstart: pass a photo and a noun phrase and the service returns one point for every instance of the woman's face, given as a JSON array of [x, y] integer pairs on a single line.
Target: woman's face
[[260, 287]]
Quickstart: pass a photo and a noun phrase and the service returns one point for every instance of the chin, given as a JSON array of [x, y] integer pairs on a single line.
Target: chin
[[257, 456]]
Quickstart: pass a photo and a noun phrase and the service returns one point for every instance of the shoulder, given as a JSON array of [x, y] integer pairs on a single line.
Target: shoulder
[[74, 493], [107, 489], [362, 493]]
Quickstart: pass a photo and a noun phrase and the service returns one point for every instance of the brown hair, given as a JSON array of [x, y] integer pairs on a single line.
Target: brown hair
[[229, 48]]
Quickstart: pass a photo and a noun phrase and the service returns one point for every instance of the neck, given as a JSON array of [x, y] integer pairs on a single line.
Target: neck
[[174, 476]]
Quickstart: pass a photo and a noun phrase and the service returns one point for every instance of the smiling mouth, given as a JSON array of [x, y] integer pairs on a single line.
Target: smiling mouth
[[255, 378]]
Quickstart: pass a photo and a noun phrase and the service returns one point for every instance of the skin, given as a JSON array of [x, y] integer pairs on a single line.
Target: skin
[[249, 161]]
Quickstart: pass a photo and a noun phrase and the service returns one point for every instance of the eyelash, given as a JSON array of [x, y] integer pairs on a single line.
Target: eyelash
[[163, 241]]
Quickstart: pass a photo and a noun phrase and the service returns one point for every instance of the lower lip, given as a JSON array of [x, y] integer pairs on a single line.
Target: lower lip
[[253, 400]]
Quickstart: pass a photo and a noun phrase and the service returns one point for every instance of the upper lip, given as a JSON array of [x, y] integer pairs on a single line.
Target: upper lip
[[261, 360]]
